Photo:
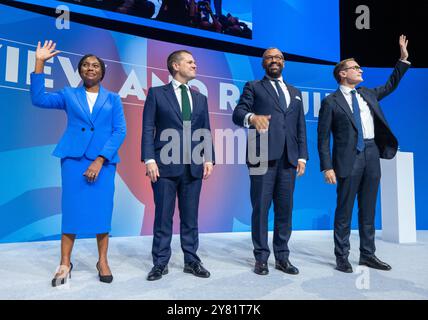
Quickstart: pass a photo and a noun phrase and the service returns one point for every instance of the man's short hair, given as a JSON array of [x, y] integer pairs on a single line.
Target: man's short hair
[[339, 67], [175, 57], [271, 48]]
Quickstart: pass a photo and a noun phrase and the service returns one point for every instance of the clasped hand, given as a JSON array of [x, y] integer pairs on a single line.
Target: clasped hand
[[94, 169]]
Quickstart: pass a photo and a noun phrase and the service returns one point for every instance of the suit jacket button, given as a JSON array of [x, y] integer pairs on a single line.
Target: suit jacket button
[[92, 129], [83, 129]]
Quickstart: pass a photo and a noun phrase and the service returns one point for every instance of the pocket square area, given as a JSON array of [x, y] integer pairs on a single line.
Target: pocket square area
[[298, 98]]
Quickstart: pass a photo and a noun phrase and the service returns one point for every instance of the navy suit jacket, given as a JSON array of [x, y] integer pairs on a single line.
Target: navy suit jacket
[[99, 133], [335, 117], [162, 112], [287, 128]]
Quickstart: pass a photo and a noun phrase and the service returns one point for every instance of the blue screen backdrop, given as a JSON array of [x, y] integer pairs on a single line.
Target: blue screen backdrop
[[30, 192]]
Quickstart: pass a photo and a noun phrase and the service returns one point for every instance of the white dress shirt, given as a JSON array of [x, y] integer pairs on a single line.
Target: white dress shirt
[[177, 90], [367, 121], [282, 86]]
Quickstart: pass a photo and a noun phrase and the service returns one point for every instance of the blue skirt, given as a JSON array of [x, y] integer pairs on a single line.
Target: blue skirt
[[86, 207]]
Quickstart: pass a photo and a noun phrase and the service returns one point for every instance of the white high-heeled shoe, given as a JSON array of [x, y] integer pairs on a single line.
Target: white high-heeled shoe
[[64, 273]]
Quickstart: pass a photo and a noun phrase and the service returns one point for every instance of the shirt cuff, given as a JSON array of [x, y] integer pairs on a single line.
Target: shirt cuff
[[302, 160], [147, 161], [405, 61], [246, 119]]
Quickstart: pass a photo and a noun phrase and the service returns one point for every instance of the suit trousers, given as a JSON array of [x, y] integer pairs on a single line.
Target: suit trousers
[[276, 184], [363, 182], [186, 189]]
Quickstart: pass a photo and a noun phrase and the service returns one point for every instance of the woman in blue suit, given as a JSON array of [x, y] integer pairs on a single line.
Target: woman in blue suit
[[88, 150]]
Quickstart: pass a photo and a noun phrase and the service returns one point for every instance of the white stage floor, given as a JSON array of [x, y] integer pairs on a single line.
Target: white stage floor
[[27, 268]]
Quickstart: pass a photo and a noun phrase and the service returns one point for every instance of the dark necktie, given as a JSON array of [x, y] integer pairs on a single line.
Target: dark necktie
[[186, 112], [357, 117], [281, 95]]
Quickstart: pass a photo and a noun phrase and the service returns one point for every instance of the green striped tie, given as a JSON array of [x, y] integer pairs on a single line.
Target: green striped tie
[[185, 104]]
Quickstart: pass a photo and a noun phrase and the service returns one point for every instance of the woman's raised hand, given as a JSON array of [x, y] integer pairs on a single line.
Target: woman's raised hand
[[47, 51]]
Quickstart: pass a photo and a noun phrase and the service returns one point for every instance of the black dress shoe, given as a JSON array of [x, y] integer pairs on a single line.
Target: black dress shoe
[[261, 268], [374, 262], [286, 266], [157, 272], [106, 278], [196, 269], [343, 265]]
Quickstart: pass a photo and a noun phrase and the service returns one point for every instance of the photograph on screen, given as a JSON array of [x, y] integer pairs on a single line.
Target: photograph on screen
[[221, 16]]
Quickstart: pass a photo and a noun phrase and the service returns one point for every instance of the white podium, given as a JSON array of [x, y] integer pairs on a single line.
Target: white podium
[[398, 199]]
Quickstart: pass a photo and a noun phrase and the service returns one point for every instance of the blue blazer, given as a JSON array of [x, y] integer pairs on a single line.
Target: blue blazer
[[287, 128], [336, 118], [161, 112], [98, 134]]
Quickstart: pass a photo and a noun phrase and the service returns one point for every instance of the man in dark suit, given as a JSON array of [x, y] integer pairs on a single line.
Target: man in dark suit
[[361, 136], [176, 111], [273, 107]]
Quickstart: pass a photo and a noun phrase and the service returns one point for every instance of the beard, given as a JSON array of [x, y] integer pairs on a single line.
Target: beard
[[274, 72]]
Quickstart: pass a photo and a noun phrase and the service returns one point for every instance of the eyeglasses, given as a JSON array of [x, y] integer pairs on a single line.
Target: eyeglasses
[[356, 68], [277, 57]]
